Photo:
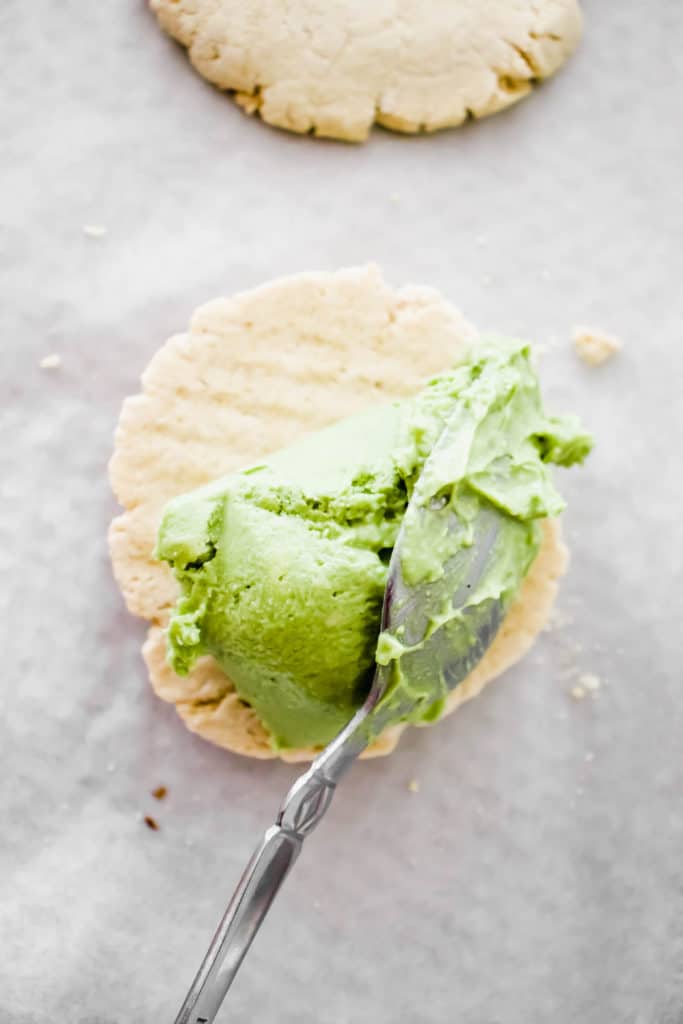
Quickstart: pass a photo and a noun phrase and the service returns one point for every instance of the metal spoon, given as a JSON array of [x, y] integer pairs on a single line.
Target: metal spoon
[[408, 614]]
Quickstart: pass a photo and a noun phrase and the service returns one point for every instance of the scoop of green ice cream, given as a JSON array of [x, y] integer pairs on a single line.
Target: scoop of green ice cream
[[282, 566]]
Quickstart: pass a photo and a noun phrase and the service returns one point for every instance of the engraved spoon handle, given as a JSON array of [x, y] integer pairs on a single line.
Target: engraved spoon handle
[[302, 809], [263, 876]]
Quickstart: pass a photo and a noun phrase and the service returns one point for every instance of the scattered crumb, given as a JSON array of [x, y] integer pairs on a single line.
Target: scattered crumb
[[578, 692], [316, 904], [189, 842], [414, 786], [111, 767], [151, 823], [52, 362], [579, 790], [94, 230], [589, 681], [487, 280], [589, 756], [595, 347], [481, 239], [395, 197], [159, 793], [545, 274]]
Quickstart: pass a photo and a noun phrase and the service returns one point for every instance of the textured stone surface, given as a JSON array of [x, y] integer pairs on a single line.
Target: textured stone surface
[[522, 883]]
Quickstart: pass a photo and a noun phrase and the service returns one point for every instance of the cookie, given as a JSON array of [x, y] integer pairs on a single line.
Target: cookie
[[253, 373], [335, 69]]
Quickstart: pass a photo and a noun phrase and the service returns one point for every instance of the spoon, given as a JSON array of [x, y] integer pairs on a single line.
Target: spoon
[[436, 648]]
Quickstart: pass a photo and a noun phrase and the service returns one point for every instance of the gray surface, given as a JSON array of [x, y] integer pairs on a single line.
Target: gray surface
[[523, 883]]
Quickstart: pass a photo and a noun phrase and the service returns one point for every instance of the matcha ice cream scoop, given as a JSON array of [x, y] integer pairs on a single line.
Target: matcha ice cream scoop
[[282, 566]]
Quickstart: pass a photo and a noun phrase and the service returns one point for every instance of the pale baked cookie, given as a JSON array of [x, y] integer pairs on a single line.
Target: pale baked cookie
[[333, 67], [253, 373]]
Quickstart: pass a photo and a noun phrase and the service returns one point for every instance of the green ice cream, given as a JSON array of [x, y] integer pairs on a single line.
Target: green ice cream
[[282, 566]]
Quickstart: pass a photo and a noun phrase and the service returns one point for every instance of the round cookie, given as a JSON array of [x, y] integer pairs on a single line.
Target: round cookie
[[332, 69], [252, 374]]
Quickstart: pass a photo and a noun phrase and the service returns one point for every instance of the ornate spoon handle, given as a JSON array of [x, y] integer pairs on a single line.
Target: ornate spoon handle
[[302, 809]]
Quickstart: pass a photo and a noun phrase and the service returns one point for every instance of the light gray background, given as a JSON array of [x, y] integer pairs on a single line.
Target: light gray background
[[524, 882]]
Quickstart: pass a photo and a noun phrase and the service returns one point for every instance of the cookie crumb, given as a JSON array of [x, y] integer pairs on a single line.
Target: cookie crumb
[[51, 362], [414, 786], [481, 239], [159, 793], [577, 692], [94, 230], [151, 823], [111, 767], [589, 756], [595, 347], [589, 681], [395, 197], [487, 280]]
